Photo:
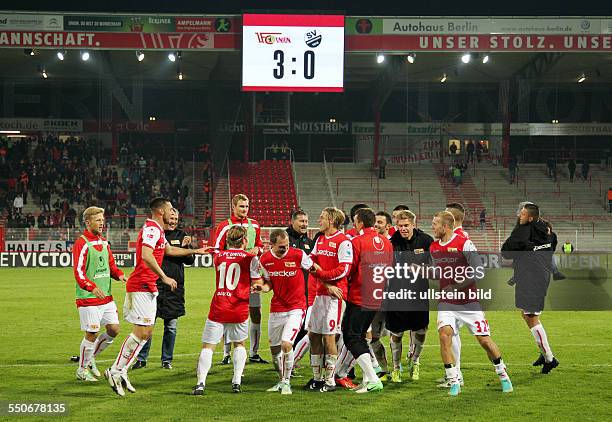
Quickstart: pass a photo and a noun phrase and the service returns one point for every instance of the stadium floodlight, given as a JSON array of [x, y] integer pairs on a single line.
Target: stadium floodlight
[[61, 55], [485, 59], [180, 76], [466, 58], [28, 51], [380, 58], [411, 58], [581, 78], [44, 74], [140, 56], [555, 121], [443, 79], [172, 56], [85, 55]]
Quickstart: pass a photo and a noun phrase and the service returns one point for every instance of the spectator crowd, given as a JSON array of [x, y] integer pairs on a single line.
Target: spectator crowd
[[60, 176]]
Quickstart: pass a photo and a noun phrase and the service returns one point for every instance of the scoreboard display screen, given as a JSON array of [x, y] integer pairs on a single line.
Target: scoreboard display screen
[[293, 53]]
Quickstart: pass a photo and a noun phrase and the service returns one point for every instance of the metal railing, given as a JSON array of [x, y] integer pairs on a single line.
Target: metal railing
[[329, 185]]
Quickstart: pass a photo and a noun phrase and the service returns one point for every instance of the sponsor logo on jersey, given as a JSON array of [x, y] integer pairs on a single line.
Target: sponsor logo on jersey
[[332, 244], [378, 243], [544, 246], [453, 250], [282, 273], [289, 264], [419, 251], [327, 253], [447, 260]]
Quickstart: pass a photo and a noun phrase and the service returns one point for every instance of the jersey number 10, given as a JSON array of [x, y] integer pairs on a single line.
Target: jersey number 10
[[229, 277]]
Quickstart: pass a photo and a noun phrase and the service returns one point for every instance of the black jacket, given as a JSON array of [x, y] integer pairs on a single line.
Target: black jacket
[[171, 304], [531, 248], [299, 240], [408, 314]]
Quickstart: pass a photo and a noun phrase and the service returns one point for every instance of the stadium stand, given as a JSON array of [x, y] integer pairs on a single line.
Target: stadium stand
[[57, 179], [270, 187]]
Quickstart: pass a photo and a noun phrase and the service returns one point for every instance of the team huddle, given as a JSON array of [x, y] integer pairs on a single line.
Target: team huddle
[[327, 295]]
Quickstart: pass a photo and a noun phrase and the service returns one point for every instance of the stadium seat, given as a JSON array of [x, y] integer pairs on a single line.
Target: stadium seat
[[270, 188]]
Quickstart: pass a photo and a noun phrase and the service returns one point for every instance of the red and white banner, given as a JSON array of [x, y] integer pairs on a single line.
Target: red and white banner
[[206, 24], [108, 40], [498, 43]]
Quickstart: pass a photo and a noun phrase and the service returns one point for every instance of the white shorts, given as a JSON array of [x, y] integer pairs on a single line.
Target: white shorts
[[307, 317], [284, 326], [475, 320], [254, 300], [140, 308], [93, 318], [326, 315], [213, 331]]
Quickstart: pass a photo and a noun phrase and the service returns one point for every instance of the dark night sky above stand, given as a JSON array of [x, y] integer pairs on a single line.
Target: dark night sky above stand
[[355, 7]]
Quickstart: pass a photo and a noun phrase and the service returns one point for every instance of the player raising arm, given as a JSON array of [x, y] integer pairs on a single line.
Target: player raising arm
[[140, 306], [453, 255], [237, 271]]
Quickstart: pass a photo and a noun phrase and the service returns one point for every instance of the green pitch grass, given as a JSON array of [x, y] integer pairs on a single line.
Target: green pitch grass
[[39, 331]]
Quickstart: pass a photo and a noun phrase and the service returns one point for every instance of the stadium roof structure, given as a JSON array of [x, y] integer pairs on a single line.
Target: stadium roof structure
[[361, 69], [544, 49]]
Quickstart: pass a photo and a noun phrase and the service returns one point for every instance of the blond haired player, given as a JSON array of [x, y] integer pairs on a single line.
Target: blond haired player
[[332, 255], [94, 267], [457, 261]]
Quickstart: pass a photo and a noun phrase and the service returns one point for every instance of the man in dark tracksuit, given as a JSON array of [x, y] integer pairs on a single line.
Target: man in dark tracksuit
[[410, 246], [298, 238], [530, 246], [170, 304]]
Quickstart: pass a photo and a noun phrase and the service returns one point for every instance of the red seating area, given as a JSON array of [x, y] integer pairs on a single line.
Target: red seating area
[[270, 188]]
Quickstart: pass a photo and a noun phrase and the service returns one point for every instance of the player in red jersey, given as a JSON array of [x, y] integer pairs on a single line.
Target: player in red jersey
[[332, 255], [351, 233], [140, 306], [94, 266], [282, 272], [237, 271], [457, 266], [383, 224], [371, 251], [458, 212], [240, 211]]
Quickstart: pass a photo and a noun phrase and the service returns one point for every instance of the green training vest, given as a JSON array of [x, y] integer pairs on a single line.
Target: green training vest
[[97, 270], [251, 233], [567, 247]]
